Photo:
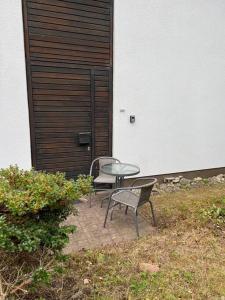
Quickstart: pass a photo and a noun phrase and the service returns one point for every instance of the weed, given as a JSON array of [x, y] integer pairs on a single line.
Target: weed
[[216, 213], [137, 286]]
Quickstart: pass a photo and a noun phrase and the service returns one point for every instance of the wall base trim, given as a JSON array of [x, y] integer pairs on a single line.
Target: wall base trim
[[204, 173]]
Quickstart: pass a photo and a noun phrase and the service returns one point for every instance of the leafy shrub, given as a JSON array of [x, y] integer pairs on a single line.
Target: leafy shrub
[[33, 205]]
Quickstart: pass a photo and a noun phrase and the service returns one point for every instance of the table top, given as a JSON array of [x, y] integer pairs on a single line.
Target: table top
[[120, 169]]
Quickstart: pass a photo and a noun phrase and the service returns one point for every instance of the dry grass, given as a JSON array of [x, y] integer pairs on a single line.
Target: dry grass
[[189, 249]]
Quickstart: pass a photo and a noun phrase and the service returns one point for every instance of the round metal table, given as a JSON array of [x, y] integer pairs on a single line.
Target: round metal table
[[120, 170]]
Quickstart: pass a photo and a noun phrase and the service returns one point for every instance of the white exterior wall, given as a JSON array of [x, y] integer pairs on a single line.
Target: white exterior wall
[[14, 122], [169, 71]]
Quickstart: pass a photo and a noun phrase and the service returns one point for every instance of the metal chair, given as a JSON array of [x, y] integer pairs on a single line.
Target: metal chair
[[130, 197], [102, 179]]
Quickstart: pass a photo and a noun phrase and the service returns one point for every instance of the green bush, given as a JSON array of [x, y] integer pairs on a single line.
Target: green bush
[[33, 205]]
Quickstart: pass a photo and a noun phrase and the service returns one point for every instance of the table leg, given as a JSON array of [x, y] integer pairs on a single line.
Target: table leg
[[119, 181]]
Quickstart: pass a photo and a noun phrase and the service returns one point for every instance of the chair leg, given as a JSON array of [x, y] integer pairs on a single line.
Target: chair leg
[[153, 213], [126, 210], [102, 202], [107, 212], [136, 222], [111, 214]]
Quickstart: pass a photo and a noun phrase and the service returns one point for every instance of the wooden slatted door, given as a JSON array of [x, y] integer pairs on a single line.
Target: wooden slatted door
[[62, 109], [69, 74]]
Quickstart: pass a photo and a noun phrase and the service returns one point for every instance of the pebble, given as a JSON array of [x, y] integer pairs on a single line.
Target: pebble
[[86, 281]]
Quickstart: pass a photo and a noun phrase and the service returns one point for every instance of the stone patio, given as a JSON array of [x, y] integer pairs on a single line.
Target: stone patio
[[90, 232]]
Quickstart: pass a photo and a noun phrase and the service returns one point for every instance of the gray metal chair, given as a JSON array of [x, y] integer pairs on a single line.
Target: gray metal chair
[[133, 197], [102, 179]]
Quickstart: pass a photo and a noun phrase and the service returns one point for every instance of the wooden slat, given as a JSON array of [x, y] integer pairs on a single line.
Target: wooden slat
[[62, 103], [66, 87], [61, 98], [62, 57], [60, 74], [61, 81], [69, 52], [58, 69], [59, 92], [43, 61], [70, 65], [46, 154], [51, 108], [63, 40], [66, 46], [77, 124], [60, 114]]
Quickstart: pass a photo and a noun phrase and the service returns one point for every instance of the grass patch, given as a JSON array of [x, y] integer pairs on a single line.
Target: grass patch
[[188, 246]]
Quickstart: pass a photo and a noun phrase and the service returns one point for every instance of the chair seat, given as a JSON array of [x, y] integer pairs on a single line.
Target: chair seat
[[127, 198], [103, 178]]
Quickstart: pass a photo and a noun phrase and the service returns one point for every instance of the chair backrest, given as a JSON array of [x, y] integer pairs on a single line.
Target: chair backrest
[[101, 161], [145, 189]]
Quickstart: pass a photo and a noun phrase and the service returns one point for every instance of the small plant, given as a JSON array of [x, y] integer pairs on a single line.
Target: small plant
[[139, 285], [216, 213], [205, 181]]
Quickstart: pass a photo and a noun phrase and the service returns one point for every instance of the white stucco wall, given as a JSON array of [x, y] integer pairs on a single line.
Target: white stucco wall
[[14, 123], [169, 70]]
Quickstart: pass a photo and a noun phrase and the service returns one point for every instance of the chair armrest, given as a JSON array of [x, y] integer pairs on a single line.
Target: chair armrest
[[132, 187]]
